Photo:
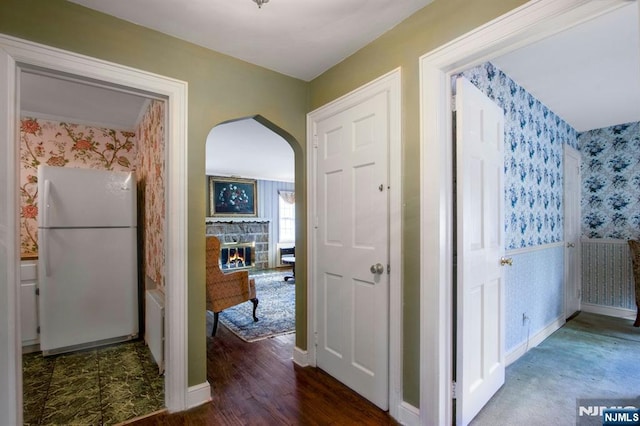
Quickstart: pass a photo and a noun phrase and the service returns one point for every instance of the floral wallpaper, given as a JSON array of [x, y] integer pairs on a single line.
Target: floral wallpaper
[[535, 286], [72, 145], [151, 201], [534, 139], [64, 145], [611, 182]]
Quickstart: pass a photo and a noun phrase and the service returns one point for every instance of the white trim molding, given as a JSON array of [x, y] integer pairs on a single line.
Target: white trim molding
[[10, 350], [541, 247], [391, 84], [198, 395], [24, 55], [604, 240], [609, 311], [533, 21], [535, 340], [408, 415], [300, 357]]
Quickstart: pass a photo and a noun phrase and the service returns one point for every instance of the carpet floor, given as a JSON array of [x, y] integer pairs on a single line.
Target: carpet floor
[[276, 309], [592, 357]]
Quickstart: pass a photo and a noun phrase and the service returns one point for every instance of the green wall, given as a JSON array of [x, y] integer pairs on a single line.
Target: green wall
[[223, 88], [220, 88], [427, 29]]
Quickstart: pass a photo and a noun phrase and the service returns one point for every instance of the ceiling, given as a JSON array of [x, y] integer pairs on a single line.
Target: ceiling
[[53, 96], [297, 38], [588, 75], [245, 148]]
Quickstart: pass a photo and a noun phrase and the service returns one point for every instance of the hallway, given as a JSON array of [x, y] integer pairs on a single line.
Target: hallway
[[258, 384], [591, 357]]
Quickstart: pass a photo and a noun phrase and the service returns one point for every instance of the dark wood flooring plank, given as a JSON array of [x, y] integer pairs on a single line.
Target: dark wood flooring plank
[[258, 384]]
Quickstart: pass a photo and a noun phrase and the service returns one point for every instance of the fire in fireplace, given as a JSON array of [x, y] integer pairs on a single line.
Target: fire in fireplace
[[237, 255]]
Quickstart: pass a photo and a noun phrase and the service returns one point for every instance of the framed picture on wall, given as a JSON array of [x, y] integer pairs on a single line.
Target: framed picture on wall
[[232, 197]]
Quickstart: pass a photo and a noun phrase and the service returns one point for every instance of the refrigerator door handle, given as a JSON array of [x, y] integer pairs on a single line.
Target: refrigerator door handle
[[45, 225], [45, 249], [47, 194]]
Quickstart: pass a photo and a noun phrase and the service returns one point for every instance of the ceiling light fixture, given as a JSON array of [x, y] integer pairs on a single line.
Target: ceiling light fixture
[[260, 3]]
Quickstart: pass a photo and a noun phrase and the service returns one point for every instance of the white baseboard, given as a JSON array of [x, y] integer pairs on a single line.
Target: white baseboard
[[408, 415], [535, 340], [198, 395], [300, 357], [609, 311]]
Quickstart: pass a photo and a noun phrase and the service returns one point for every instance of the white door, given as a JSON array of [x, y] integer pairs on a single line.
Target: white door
[[351, 246], [572, 217], [480, 234]]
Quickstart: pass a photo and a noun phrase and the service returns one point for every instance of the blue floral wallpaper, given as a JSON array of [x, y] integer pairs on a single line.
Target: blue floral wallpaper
[[535, 287], [611, 182], [534, 139]]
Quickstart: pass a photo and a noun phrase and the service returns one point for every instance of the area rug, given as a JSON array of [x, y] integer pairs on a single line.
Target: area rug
[[276, 310]]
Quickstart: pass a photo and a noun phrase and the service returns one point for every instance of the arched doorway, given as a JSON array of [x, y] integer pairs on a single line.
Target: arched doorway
[[261, 158]]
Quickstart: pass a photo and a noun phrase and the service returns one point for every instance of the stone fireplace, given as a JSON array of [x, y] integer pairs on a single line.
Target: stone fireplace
[[244, 242]]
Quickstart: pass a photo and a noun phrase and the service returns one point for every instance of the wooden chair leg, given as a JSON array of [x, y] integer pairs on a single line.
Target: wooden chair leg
[[255, 306], [215, 323]]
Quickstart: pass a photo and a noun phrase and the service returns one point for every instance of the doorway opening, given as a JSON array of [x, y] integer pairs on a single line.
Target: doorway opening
[[66, 122], [522, 26], [251, 209], [22, 56]]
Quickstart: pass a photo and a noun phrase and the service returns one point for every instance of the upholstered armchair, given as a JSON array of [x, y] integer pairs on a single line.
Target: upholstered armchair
[[226, 289], [634, 251]]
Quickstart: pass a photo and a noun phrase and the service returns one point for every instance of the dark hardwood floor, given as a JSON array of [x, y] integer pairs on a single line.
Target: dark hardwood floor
[[258, 384]]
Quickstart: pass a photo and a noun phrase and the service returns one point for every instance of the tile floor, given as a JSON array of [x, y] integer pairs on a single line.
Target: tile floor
[[101, 386]]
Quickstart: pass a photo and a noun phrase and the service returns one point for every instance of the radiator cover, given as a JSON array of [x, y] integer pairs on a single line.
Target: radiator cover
[[154, 326]]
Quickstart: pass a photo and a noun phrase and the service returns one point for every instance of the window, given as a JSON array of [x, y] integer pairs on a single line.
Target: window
[[287, 216]]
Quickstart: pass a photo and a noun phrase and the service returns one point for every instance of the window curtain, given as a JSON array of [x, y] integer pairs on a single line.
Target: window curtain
[[288, 197]]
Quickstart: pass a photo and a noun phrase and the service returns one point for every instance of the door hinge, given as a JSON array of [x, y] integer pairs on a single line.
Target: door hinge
[[37, 291], [38, 329], [453, 103], [315, 141], [454, 391], [315, 338]]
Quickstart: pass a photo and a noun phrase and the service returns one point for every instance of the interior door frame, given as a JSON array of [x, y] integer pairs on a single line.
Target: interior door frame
[[28, 54], [391, 84], [524, 25]]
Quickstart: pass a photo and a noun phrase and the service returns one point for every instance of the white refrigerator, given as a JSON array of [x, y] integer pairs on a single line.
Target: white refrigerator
[[87, 258]]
